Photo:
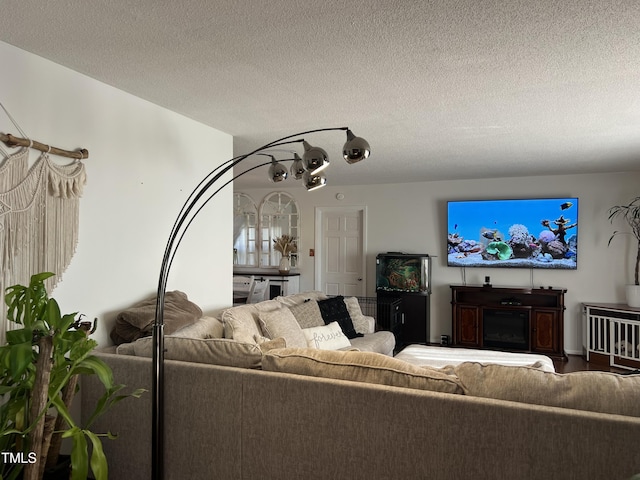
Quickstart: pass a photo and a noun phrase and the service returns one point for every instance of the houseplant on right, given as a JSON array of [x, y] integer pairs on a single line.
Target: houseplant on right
[[631, 214]]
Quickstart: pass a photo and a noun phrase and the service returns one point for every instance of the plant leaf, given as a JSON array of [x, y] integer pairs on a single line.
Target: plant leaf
[[79, 455], [62, 410], [109, 399], [53, 315], [20, 357], [22, 335], [100, 368], [99, 465]]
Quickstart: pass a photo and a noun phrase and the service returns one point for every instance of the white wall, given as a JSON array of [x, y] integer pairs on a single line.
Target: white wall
[[144, 160], [411, 217]]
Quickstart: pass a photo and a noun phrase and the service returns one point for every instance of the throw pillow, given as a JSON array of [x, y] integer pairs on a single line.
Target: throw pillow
[[326, 337], [213, 351], [367, 367], [602, 392], [335, 310], [243, 323], [360, 322], [308, 314], [282, 323], [206, 327]]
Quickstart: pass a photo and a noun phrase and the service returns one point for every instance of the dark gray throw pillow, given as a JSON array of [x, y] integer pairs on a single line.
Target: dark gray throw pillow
[[335, 310]]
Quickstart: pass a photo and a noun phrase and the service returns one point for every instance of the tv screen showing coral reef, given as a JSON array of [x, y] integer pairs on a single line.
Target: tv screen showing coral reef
[[525, 233]]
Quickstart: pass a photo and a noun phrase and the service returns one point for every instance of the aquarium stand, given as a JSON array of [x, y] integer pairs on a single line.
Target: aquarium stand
[[529, 320], [414, 316], [406, 277], [389, 315]]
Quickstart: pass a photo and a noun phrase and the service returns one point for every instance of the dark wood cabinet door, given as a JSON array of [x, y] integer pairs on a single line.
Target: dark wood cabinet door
[[468, 324], [415, 309], [544, 325]]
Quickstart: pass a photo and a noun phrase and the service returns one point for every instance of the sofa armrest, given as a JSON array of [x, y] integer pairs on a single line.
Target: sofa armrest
[[370, 323]]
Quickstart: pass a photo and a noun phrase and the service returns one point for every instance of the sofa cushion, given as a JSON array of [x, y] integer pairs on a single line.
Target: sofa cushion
[[307, 314], [326, 337], [242, 323], [137, 320], [206, 327], [364, 367], [602, 392], [282, 323], [380, 342], [335, 310], [214, 351], [125, 348]]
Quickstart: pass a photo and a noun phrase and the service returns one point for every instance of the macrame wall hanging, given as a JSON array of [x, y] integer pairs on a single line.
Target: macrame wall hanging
[[39, 213]]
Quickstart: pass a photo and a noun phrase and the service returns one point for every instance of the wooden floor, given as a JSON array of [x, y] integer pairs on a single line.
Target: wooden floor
[[577, 363]]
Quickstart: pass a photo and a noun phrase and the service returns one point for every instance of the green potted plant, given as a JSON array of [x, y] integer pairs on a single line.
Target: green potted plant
[[40, 366], [631, 214]]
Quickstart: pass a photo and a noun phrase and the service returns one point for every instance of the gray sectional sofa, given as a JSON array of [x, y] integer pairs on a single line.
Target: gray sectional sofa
[[290, 413]]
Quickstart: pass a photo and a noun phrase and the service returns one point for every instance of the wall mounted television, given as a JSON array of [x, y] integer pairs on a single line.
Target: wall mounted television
[[525, 233]]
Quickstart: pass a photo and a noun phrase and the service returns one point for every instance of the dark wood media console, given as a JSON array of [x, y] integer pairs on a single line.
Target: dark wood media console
[[509, 318]]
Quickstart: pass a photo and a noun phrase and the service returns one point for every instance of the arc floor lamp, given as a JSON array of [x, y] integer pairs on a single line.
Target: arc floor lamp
[[308, 168]]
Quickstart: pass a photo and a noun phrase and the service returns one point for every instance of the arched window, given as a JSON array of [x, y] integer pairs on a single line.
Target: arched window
[[279, 215], [245, 230]]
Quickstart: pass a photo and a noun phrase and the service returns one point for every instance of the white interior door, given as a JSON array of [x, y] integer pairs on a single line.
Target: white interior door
[[340, 250]]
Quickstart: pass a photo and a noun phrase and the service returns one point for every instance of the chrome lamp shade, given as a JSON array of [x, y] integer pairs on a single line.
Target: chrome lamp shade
[[277, 171]]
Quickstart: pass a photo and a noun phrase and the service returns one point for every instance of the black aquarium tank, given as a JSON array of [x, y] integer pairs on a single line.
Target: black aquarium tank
[[403, 272]]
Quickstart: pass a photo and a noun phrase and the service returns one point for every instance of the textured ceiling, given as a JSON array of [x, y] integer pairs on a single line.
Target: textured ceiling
[[440, 89]]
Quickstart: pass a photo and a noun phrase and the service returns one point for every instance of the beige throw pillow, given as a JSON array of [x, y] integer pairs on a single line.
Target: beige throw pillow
[[602, 392], [243, 323], [360, 322], [206, 327], [307, 314], [367, 367], [282, 323], [326, 337], [214, 351]]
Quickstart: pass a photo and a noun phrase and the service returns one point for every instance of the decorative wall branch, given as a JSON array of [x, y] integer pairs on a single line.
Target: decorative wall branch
[[13, 141]]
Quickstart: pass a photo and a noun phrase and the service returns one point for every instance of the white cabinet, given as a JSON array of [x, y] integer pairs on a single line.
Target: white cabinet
[[283, 285], [278, 284]]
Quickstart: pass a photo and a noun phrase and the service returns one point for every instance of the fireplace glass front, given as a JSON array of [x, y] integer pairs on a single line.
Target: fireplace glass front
[[504, 328]]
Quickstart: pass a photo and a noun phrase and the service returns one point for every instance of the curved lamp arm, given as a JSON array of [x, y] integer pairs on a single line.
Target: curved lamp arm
[[355, 149]]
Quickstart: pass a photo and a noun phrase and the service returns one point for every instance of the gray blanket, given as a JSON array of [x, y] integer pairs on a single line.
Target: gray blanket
[[137, 321]]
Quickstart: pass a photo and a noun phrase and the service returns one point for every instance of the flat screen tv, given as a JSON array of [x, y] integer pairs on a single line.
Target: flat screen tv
[[525, 233]]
